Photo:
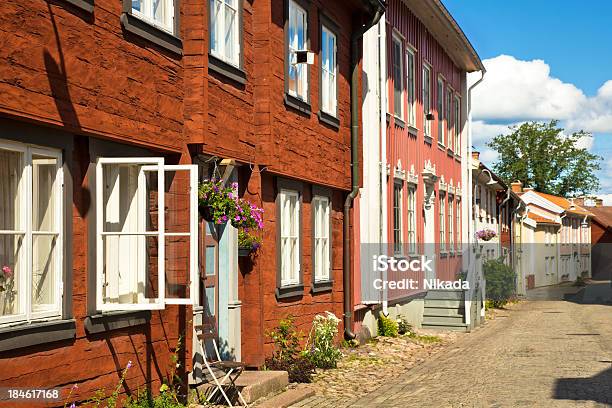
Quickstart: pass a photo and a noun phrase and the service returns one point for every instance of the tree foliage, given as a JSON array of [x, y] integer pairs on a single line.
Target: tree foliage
[[543, 157]]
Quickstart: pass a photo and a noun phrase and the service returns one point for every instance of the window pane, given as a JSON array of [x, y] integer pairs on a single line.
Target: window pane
[[11, 196], [12, 269], [44, 171], [230, 35], [210, 261], [137, 5], [214, 7], [130, 262], [44, 271], [210, 301], [177, 267]]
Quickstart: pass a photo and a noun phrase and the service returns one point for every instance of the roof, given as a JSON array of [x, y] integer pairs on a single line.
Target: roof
[[602, 215], [447, 32], [541, 220], [565, 204]]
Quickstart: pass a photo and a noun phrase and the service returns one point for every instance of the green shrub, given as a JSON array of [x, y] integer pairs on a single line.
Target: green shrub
[[387, 327], [320, 348], [287, 355], [403, 326], [501, 282]]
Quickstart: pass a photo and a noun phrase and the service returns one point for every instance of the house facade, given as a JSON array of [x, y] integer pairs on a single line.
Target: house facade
[[556, 244], [411, 201], [601, 236], [112, 112]]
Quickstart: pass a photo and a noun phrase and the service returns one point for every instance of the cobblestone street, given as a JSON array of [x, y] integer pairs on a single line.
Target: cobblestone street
[[539, 353]]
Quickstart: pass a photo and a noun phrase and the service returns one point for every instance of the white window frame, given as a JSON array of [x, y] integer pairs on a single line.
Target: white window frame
[[398, 208], [457, 125], [217, 24], [411, 214], [25, 189], [147, 14], [290, 275], [426, 99], [458, 225], [442, 220], [451, 219], [321, 232], [152, 165], [410, 85], [329, 75], [440, 95], [398, 40], [301, 70]]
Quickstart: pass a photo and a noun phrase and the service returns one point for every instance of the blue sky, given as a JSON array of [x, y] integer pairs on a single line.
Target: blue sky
[[551, 59]]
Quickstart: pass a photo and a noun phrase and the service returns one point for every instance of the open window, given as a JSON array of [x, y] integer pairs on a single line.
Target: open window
[[146, 234]]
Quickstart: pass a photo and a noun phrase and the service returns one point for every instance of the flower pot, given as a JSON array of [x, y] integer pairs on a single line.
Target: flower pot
[[244, 252]]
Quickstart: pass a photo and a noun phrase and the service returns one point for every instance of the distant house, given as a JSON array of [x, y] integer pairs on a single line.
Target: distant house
[[601, 237], [556, 239]]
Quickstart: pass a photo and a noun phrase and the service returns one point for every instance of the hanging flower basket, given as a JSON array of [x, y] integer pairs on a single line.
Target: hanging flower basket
[[485, 234], [217, 203], [248, 243]]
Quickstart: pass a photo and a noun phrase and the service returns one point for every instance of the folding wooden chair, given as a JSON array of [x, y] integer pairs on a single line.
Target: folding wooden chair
[[220, 373]]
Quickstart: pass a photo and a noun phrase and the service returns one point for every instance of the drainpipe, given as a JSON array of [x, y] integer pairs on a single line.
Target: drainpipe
[[469, 191], [348, 203]]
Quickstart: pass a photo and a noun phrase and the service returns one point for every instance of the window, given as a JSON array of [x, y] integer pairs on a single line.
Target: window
[[159, 13], [449, 115], [426, 99], [30, 233], [451, 233], [297, 40], [329, 72], [458, 225], [442, 220], [410, 87], [457, 126], [322, 232], [411, 219], [224, 20], [133, 235], [398, 77], [441, 126], [397, 217], [289, 201]]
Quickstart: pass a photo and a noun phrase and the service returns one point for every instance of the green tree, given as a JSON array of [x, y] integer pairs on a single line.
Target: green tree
[[543, 157]]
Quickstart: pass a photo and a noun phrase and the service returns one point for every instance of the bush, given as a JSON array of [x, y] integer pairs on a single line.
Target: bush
[[287, 355], [403, 326], [387, 327], [320, 348], [501, 282]]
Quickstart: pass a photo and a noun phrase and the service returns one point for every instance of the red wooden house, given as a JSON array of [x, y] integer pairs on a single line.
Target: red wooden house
[[111, 112], [421, 144]]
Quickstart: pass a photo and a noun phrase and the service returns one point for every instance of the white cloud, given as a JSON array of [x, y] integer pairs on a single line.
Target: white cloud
[[514, 91], [523, 90]]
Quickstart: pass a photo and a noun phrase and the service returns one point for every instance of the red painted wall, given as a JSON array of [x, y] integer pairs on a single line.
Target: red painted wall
[[410, 147]]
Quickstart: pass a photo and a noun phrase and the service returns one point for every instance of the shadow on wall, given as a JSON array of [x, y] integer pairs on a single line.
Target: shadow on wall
[[597, 388]]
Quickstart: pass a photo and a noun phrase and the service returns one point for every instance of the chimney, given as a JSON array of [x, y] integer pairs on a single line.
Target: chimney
[[517, 186], [572, 203], [475, 155], [599, 202]]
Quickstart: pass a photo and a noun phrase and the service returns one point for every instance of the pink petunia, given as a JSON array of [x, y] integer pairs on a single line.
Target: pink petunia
[[8, 272]]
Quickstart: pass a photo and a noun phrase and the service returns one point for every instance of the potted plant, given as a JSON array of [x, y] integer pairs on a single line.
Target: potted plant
[[485, 234], [217, 203], [247, 243]]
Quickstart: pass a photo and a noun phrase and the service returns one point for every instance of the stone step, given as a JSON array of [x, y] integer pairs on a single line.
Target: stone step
[[441, 326], [446, 304], [443, 312], [287, 398], [445, 295], [457, 319], [254, 385]]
